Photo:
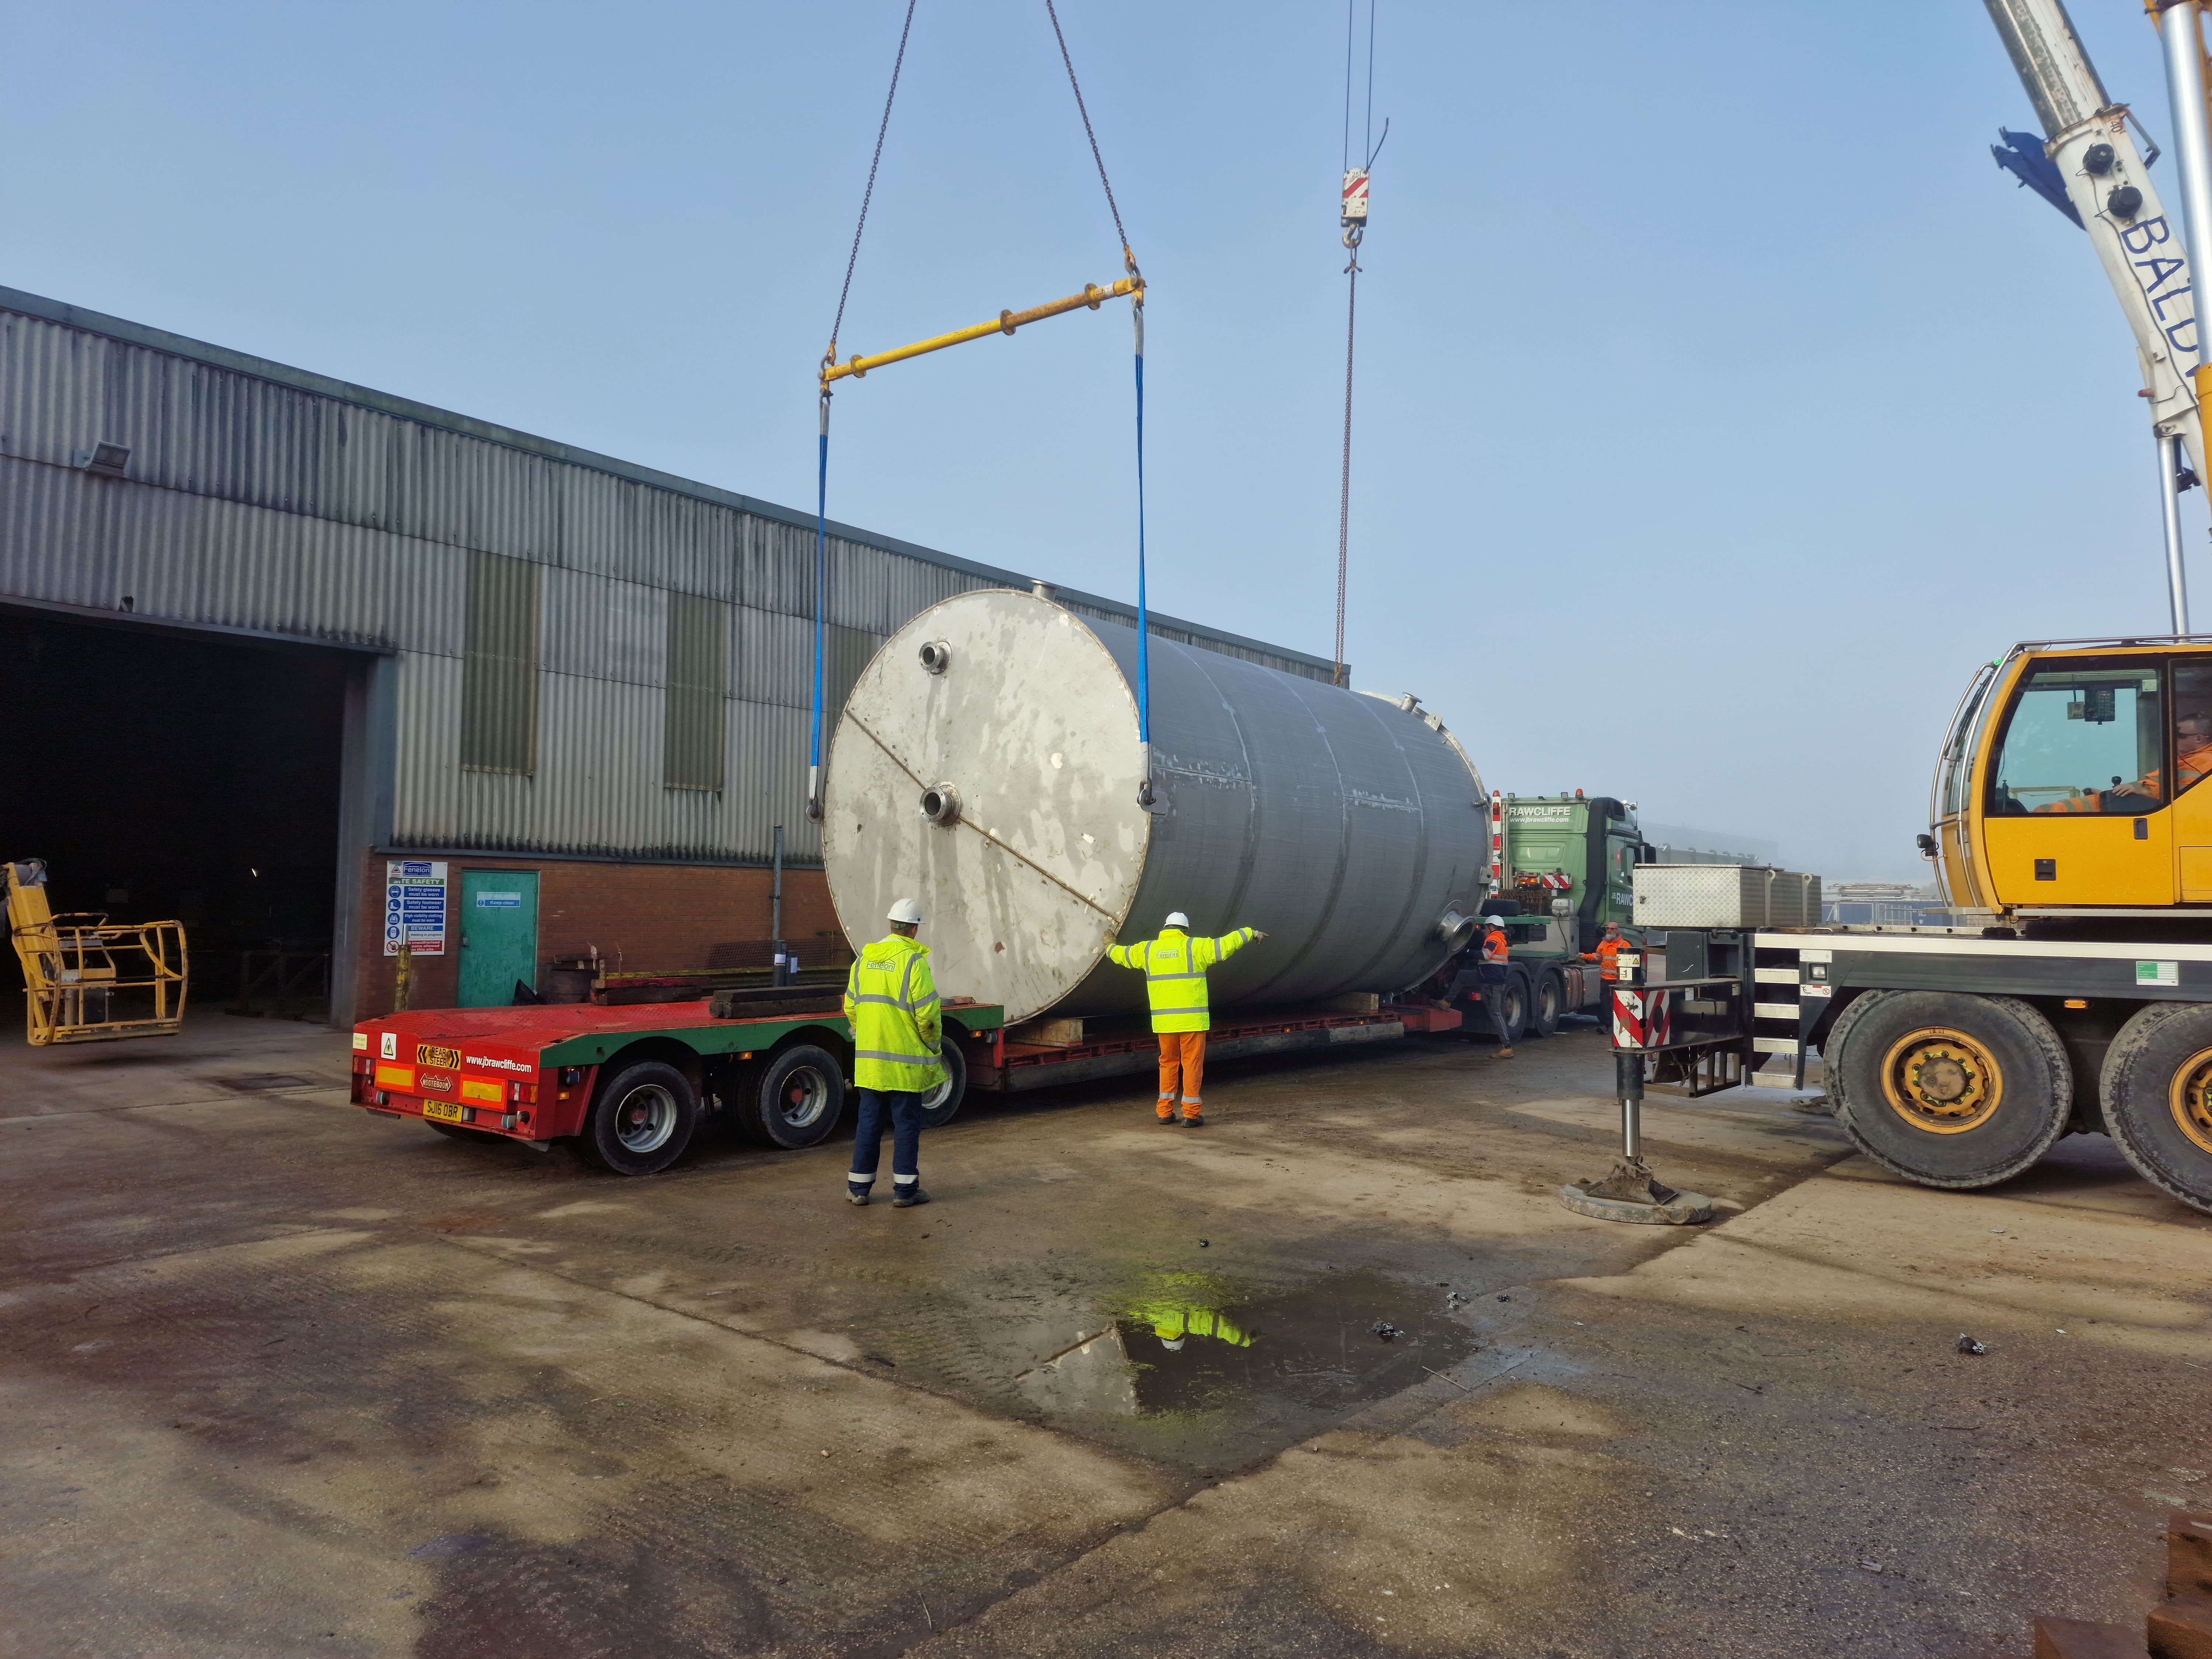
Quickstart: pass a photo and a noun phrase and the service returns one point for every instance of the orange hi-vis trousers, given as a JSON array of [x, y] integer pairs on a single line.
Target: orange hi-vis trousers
[[1182, 1064]]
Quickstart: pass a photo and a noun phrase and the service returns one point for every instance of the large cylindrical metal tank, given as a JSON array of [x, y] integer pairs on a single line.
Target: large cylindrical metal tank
[[986, 764]]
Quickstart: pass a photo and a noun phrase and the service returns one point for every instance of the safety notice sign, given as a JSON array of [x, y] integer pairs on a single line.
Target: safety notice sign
[[415, 902]]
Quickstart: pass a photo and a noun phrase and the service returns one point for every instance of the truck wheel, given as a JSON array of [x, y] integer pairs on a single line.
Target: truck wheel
[[1513, 1004], [942, 1104], [641, 1119], [1946, 1089], [1545, 1003], [795, 1099], [2157, 1091]]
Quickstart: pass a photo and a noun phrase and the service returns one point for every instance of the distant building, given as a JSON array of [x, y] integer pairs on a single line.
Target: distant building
[[1896, 902]]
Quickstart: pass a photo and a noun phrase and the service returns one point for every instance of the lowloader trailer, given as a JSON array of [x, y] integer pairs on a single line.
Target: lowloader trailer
[[627, 1087]]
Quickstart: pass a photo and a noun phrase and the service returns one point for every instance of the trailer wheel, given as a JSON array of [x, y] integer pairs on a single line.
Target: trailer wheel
[[641, 1119], [1546, 1002], [942, 1104], [1512, 1003], [1946, 1089], [794, 1100], [2157, 1091]]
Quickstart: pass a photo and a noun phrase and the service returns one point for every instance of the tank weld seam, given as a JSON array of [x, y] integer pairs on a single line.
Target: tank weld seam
[[892, 757]]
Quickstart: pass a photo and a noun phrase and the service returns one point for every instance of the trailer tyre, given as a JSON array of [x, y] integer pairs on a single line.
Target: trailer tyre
[[1546, 1002], [1946, 1089], [794, 1100], [942, 1104], [2157, 1091], [641, 1119]]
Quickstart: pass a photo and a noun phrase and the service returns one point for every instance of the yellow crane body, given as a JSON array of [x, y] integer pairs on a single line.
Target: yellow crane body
[[2073, 780], [86, 978]]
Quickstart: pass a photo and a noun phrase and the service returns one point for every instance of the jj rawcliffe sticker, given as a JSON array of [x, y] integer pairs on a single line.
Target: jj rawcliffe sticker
[[2158, 973]]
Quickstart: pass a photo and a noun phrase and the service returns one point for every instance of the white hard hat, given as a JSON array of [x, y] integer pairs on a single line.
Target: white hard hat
[[1493, 922], [1176, 919], [1173, 1345], [905, 910]]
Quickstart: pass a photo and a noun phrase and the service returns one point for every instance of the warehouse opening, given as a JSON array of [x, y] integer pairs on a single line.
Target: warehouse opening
[[163, 776]]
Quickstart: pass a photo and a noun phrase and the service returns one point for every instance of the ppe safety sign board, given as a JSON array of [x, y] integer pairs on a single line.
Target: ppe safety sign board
[[415, 902]]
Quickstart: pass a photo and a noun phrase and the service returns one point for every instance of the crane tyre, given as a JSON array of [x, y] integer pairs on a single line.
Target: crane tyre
[[940, 1105], [641, 1119], [1946, 1089], [2156, 1086], [1547, 1002], [794, 1100]]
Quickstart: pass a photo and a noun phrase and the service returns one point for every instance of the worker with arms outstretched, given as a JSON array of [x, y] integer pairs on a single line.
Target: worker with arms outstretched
[[1607, 954], [890, 1000], [1175, 966]]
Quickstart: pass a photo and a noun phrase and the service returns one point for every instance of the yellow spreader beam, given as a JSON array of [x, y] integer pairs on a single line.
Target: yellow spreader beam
[[1092, 296]]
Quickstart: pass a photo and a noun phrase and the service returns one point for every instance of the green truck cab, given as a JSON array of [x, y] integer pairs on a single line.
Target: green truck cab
[[1566, 864]]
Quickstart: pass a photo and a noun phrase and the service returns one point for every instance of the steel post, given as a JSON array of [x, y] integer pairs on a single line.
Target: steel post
[[1628, 1086], [2180, 31], [2171, 454], [776, 910]]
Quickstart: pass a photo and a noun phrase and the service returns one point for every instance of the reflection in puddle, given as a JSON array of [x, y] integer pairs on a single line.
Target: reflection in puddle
[[1193, 1362]]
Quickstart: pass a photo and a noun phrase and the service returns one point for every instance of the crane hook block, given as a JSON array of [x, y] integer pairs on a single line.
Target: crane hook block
[[1005, 322], [1355, 199]]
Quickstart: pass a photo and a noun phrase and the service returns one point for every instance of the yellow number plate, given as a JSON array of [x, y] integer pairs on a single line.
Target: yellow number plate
[[446, 1058], [449, 1111]]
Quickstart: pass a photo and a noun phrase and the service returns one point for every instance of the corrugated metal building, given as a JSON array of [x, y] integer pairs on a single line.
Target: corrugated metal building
[[267, 622]]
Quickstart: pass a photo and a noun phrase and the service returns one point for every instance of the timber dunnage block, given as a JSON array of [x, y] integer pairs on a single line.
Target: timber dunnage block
[[2180, 1630], [2189, 1555], [1047, 1033], [2083, 1638]]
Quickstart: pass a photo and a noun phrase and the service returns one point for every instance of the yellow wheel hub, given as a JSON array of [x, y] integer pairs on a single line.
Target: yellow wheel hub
[[1946, 1083], [2187, 1097]]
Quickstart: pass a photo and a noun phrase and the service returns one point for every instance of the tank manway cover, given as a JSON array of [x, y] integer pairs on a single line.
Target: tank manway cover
[[986, 764]]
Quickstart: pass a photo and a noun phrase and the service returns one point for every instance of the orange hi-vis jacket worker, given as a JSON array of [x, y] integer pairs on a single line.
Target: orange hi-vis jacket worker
[[2192, 759], [1608, 948], [1496, 951]]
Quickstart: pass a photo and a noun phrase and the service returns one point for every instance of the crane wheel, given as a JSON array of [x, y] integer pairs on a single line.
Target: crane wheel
[[2157, 1091], [1946, 1089]]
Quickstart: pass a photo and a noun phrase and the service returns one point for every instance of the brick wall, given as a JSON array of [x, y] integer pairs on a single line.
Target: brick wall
[[643, 917]]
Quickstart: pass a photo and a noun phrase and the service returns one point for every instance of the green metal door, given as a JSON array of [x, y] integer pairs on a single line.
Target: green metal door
[[499, 935]]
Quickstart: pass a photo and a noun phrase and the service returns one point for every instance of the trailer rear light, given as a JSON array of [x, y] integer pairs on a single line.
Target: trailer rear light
[[506, 1122], [571, 1076], [522, 1092], [382, 1098]]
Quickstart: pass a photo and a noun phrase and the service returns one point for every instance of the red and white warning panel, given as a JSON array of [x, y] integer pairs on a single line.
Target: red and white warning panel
[[1642, 1019], [1355, 198]]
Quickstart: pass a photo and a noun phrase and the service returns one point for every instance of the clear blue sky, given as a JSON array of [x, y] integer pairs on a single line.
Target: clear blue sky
[[1720, 404]]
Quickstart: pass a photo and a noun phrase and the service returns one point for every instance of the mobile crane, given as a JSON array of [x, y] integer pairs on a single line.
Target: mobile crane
[[2070, 819]]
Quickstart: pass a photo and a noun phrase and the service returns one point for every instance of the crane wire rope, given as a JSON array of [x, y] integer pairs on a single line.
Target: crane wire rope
[[1137, 327], [1132, 285], [821, 452], [1354, 231]]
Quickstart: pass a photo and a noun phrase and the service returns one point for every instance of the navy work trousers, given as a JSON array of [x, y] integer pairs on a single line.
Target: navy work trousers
[[904, 1106]]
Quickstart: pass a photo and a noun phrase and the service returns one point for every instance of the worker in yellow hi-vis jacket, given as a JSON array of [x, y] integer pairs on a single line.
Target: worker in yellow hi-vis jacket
[[892, 1000], [1174, 966]]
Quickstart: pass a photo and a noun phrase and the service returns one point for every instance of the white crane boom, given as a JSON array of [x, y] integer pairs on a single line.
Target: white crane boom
[[2107, 189]]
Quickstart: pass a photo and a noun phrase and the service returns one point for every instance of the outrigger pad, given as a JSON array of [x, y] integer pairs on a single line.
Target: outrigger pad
[[1632, 1193]]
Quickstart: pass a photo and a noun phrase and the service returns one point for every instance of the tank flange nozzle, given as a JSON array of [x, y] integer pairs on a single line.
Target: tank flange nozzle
[[941, 804]]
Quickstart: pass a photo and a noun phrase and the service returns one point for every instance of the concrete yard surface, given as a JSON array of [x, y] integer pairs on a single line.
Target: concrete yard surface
[[286, 1378]]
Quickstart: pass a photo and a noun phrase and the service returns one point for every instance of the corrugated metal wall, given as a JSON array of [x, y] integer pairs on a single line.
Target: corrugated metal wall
[[266, 499]]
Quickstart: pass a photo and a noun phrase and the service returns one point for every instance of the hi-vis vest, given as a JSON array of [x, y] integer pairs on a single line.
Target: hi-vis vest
[[891, 998], [1171, 1323], [1174, 966]]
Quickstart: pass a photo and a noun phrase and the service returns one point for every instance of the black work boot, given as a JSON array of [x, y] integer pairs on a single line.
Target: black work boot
[[907, 1196]]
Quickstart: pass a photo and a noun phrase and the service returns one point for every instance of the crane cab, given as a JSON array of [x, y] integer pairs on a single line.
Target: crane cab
[[2072, 779]]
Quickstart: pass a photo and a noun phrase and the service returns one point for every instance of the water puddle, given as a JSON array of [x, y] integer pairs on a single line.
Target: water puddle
[[1195, 1368]]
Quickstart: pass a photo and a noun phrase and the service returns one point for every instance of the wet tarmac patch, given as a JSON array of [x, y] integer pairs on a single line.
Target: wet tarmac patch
[[1193, 1368]]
